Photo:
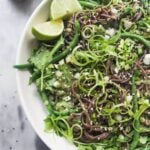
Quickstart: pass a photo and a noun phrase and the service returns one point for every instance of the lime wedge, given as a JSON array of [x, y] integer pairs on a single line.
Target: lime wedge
[[63, 8], [48, 30]]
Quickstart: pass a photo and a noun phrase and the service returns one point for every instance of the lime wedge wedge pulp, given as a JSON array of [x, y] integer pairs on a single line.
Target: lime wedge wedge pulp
[[63, 8], [48, 30]]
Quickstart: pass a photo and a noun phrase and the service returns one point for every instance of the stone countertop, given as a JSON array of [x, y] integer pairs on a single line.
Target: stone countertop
[[16, 132]]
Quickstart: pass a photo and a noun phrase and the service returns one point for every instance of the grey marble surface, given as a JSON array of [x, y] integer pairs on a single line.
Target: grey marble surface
[[16, 132]]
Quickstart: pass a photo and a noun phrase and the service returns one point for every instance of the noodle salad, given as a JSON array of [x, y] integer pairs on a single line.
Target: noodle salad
[[94, 77]]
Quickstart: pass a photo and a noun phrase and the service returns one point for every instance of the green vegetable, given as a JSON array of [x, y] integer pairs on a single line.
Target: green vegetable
[[23, 66], [58, 46], [137, 37], [34, 76], [136, 134], [71, 46], [42, 59], [90, 4], [46, 100]]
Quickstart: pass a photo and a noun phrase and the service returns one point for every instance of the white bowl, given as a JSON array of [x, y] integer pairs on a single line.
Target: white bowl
[[30, 99]]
